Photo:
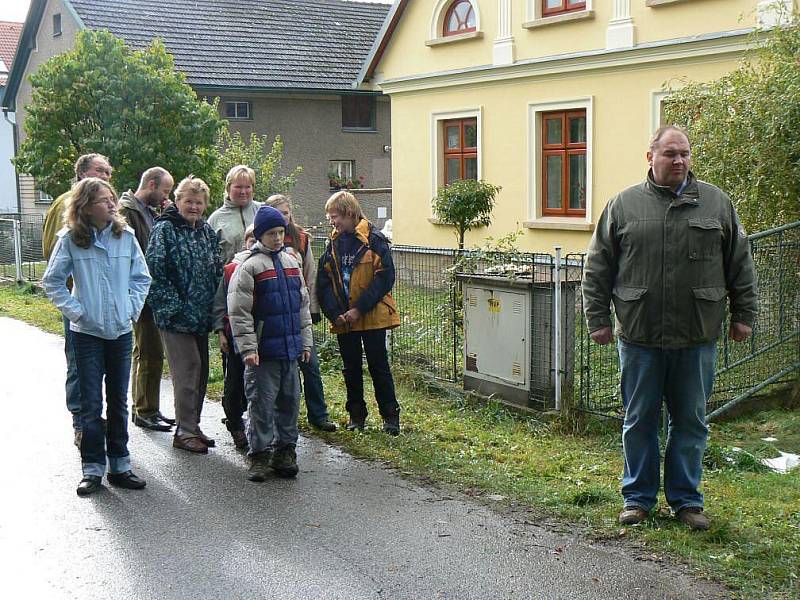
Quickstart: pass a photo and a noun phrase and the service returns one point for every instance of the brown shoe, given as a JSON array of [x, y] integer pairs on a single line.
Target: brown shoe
[[632, 515], [192, 444], [207, 440], [694, 518], [239, 438]]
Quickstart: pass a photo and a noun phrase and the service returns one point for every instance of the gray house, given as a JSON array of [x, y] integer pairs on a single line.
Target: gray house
[[279, 67]]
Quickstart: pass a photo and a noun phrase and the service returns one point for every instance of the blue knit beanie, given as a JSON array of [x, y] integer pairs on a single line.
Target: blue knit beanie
[[267, 218]]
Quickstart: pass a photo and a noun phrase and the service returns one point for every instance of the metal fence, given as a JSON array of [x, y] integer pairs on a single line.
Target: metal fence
[[28, 258], [431, 337]]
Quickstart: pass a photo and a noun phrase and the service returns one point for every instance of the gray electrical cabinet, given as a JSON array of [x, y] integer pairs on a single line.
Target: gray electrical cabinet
[[508, 337]]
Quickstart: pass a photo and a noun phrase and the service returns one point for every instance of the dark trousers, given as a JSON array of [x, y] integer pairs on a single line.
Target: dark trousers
[[234, 401], [374, 346], [312, 388], [101, 360]]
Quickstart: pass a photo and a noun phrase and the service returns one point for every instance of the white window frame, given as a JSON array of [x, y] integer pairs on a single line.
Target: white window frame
[[249, 104], [42, 197], [536, 219], [535, 18], [437, 144], [343, 169], [435, 35], [656, 100]]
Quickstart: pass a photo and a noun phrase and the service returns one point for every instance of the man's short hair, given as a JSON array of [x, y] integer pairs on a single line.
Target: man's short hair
[[155, 174], [345, 204], [656, 139], [192, 185], [84, 162]]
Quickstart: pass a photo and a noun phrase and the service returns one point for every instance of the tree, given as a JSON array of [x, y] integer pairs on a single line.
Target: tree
[[130, 105], [465, 204], [233, 150], [743, 129]]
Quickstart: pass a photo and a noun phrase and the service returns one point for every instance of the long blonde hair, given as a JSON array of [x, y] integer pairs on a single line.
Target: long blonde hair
[[75, 218], [291, 227]]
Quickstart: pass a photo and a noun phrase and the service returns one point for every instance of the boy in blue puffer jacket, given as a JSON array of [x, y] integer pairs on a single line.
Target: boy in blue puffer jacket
[[271, 323]]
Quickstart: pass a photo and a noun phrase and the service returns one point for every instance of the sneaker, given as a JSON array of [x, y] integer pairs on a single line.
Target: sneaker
[[284, 462], [239, 438], [632, 515], [259, 466], [89, 485], [694, 518], [326, 425], [353, 425]]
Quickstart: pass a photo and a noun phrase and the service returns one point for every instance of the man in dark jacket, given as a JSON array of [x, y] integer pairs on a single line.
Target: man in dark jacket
[[669, 253], [354, 283], [147, 361]]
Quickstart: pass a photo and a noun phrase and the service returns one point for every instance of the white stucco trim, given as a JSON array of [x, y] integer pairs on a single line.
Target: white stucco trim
[[705, 48], [656, 98], [535, 18], [437, 144], [437, 20], [534, 171]]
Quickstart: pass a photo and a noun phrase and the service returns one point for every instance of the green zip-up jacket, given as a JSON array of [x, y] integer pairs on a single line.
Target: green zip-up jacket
[[669, 264], [229, 222]]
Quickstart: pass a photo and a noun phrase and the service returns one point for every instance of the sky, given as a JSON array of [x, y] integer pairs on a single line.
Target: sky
[[13, 10]]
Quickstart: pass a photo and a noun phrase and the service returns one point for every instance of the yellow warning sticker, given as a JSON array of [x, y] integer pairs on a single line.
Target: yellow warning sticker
[[494, 305]]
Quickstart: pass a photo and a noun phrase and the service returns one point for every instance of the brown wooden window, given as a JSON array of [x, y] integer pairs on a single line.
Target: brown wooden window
[[459, 18], [555, 7], [460, 149], [358, 112], [564, 163]]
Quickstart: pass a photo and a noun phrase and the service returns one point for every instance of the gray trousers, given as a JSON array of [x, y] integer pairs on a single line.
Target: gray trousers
[[273, 404], [187, 355]]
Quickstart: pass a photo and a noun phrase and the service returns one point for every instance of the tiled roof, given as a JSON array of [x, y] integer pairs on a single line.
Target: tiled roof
[[267, 44], [9, 38]]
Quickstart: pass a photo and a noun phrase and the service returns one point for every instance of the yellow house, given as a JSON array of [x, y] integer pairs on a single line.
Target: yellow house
[[554, 100]]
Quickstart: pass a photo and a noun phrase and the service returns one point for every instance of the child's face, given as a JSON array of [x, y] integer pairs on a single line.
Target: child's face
[[342, 223], [249, 240], [272, 239], [101, 207]]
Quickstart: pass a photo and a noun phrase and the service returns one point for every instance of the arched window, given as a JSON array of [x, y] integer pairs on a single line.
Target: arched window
[[460, 18]]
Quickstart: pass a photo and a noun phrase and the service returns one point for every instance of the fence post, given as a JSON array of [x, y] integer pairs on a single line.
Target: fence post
[[18, 249], [557, 328]]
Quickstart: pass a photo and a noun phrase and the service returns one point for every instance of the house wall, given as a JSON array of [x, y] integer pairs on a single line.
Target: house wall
[[47, 46], [8, 181], [310, 127], [620, 90]]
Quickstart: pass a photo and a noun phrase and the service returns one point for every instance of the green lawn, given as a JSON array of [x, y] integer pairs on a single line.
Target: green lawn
[[569, 472]]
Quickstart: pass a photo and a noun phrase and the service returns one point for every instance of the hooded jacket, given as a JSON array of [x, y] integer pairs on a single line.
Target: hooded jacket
[[228, 223], [268, 306], [185, 264], [669, 264], [371, 282]]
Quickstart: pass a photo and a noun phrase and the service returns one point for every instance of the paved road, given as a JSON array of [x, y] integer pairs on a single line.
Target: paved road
[[344, 529]]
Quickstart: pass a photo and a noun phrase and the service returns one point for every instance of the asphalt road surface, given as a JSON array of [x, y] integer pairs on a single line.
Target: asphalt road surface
[[344, 529]]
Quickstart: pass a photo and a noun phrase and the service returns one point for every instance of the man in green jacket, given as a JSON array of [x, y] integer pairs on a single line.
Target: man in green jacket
[[147, 361], [669, 253], [88, 165]]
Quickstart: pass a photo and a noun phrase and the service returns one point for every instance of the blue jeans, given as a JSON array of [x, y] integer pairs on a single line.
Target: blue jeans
[[684, 379], [312, 389], [97, 358], [72, 386]]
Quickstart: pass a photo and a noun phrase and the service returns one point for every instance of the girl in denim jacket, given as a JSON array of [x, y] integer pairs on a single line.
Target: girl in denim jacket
[[111, 281]]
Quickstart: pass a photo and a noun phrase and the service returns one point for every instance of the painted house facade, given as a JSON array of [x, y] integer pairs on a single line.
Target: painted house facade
[[9, 39], [554, 100], [279, 67]]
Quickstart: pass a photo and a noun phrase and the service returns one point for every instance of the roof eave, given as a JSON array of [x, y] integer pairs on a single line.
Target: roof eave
[[379, 45]]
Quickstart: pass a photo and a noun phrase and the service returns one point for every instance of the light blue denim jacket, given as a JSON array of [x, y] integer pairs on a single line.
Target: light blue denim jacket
[[111, 281]]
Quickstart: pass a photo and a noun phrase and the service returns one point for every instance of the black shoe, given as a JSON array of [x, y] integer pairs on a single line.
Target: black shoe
[[392, 427], [164, 419], [325, 425], [89, 485], [150, 423], [127, 480], [284, 462], [353, 425]]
